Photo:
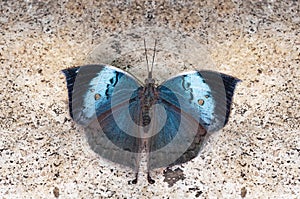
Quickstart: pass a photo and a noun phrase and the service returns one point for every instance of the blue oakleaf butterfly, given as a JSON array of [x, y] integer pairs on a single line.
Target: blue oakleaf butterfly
[[124, 118]]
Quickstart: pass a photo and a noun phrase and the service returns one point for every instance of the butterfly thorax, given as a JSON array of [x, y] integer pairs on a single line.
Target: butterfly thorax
[[148, 100]]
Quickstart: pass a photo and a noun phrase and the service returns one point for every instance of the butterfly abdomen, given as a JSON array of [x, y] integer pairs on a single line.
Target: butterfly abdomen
[[146, 119]]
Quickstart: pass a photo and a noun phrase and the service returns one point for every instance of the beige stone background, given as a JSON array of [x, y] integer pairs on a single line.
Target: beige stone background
[[43, 154]]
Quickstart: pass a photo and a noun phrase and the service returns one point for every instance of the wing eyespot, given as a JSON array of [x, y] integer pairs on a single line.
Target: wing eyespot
[[97, 96], [201, 102]]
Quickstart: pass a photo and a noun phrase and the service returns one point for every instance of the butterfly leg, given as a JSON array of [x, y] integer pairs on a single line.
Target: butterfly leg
[[134, 181], [136, 169], [150, 180]]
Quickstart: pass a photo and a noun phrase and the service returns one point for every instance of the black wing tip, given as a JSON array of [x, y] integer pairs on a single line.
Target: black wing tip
[[69, 72], [230, 83], [230, 79]]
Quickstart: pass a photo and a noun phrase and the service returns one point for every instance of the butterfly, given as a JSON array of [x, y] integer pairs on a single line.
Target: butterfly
[[124, 118]]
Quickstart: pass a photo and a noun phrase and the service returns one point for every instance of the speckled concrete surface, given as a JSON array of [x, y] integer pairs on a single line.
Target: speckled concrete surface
[[45, 155]]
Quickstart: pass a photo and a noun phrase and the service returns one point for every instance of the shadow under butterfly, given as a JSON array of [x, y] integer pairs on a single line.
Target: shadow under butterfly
[[124, 118]]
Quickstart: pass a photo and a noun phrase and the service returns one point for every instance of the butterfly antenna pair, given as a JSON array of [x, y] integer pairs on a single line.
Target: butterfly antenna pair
[[150, 71]]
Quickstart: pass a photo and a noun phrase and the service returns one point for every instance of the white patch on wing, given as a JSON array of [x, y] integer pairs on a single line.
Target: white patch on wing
[[98, 85], [200, 91]]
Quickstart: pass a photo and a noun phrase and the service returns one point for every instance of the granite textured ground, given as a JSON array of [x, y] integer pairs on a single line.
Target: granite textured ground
[[43, 154]]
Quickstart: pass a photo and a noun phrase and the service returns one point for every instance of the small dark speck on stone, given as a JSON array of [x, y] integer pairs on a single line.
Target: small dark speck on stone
[[259, 71], [198, 193], [171, 177], [243, 192], [56, 192], [243, 174]]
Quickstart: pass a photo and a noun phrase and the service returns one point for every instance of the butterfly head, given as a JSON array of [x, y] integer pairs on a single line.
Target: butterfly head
[[149, 80]]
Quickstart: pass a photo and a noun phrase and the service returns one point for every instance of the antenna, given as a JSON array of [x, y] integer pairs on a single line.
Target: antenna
[[153, 56], [150, 71]]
